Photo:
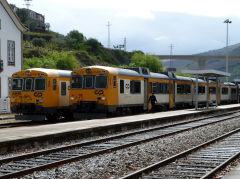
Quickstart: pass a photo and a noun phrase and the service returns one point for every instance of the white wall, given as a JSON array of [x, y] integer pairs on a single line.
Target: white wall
[[8, 31]]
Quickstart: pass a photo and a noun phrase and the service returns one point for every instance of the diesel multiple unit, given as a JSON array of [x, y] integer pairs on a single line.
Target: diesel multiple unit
[[40, 93]]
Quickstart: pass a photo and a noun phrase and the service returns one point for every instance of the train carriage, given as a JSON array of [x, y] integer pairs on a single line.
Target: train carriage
[[38, 93], [107, 89], [160, 85], [228, 93]]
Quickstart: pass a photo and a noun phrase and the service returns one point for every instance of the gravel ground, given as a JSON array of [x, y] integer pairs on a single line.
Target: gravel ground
[[122, 162]]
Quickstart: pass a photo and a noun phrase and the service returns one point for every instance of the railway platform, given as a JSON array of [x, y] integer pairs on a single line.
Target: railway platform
[[233, 174], [13, 138]]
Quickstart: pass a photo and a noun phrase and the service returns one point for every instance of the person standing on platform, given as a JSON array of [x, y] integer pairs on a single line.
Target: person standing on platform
[[153, 101]]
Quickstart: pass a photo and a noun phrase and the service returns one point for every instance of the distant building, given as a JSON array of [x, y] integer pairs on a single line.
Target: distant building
[[38, 18], [11, 59]]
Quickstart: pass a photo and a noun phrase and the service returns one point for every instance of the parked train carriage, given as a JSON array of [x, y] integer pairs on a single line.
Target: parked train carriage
[[202, 92], [38, 93], [107, 89], [212, 95], [228, 93], [183, 92], [159, 85]]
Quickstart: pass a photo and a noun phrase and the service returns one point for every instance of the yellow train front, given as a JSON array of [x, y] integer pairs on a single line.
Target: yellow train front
[[106, 90], [38, 93]]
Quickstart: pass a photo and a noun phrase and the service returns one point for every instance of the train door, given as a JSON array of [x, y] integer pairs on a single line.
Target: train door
[[171, 93], [64, 93], [145, 107]]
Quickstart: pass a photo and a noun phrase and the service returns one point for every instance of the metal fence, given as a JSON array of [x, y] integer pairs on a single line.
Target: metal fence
[[5, 105]]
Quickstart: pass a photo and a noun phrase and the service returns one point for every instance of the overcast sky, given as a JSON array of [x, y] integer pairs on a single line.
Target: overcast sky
[[192, 26]]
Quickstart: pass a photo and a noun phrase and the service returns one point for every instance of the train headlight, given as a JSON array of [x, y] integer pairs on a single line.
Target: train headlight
[[13, 100], [72, 98], [102, 98], [40, 100]]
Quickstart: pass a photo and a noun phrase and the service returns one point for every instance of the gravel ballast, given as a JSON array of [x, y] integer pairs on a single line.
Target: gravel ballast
[[122, 162]]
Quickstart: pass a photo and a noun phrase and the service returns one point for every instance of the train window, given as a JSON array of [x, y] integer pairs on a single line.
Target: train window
[[150, 87], [101, 82], [40, 84], [212, 90], [54, 84], [233, 90], [28, 84], [77, 82], [224, 90], [17, 84], [63, 88], [154, 87], [187, 89], [121, 86], [180, 88], [114, 82], [201, 89], [88, 82], [135, 87]]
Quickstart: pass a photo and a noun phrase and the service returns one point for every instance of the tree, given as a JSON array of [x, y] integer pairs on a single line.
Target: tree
[[67, 62], [39, 42], [93, 45], [74, 39], [149, 61], [23, 15]]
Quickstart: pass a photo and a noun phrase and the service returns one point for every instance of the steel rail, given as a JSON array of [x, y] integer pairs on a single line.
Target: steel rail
[[139, 173], [127, 144]]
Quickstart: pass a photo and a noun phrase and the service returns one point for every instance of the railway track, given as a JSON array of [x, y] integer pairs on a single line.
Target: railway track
[[24, 164], [203, 161]]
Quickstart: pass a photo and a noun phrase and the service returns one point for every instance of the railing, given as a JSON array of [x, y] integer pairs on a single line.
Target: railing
[[1, 65]]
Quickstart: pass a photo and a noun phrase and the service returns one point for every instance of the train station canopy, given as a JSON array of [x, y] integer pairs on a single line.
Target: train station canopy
[[207, 73]]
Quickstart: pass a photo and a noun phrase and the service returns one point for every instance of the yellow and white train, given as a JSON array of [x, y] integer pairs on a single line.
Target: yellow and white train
[[38, 93], [108, 89]]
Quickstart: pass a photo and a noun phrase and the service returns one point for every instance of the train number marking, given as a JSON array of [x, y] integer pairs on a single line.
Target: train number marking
[[99, 92], [37, 94]]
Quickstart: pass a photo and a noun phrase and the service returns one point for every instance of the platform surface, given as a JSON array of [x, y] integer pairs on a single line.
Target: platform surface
[[9, 134], [233, 174]]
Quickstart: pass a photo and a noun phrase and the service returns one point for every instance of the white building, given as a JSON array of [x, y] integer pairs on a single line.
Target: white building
[[11, 58]]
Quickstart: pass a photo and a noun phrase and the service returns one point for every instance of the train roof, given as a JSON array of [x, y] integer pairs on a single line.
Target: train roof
[[229, 84], [114, 70], [183, 78], [159, 75], [49, 72]]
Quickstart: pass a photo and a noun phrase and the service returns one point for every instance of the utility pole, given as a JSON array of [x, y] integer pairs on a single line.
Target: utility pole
[[109, 42], [27, 3], [171, 53], [227, 21], [125, 44]]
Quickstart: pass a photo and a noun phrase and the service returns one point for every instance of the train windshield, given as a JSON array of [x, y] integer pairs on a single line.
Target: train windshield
[[77, 82], [28, 84], [101, 82], [17, 84], [40, 84]]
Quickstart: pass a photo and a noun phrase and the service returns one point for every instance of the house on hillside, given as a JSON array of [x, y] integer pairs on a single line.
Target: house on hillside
[[11, 58]]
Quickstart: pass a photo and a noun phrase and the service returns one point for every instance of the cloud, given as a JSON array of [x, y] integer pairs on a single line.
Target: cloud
[[142, 14], [161, 38]]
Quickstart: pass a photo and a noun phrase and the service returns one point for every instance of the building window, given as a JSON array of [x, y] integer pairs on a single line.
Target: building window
[[11, 52]]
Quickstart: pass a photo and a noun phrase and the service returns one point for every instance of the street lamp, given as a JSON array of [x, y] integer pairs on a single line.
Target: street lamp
[[227, 21]]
